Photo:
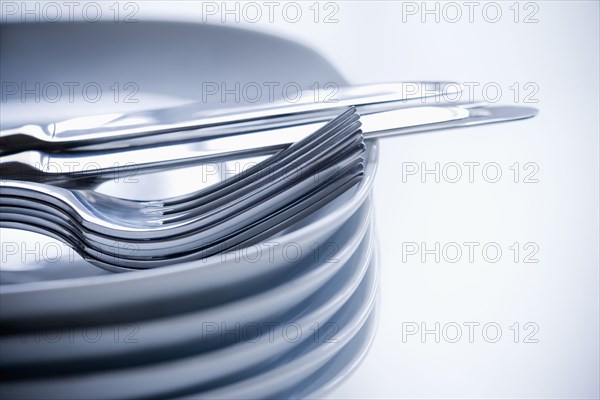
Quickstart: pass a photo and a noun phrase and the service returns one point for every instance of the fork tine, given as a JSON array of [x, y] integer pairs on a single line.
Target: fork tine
[[279, 158], [306, 164], [280, 189], [288, 217]]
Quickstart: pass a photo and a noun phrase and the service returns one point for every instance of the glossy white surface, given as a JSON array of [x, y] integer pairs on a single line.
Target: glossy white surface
[[354, 291]]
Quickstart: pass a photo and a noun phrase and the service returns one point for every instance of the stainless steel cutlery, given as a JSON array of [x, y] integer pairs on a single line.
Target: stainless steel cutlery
[[239, 212], [74, 168], [50, 189], [189, 122]]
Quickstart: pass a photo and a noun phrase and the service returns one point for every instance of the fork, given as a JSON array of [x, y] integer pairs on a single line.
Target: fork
[[250, 212]]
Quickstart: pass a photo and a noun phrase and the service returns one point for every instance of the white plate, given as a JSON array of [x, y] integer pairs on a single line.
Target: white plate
[[304, 361], [210, 54], [326, 378], [109, 293], [340, 368], [161, 334], [162, 379]]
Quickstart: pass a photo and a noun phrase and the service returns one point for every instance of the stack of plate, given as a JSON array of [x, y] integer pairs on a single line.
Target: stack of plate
[[284, 318], [287, 318]]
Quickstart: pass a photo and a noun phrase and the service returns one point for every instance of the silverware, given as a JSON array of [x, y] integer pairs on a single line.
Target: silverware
[[116, 233], [189, 122], [71, 168]]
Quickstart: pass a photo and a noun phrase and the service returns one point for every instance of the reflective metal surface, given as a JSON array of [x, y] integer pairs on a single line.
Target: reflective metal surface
[[242, 211], [191, 121], [64, 169]]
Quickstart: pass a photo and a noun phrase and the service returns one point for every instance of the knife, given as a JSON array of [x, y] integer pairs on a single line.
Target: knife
[[65, 169], [193, 121]]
